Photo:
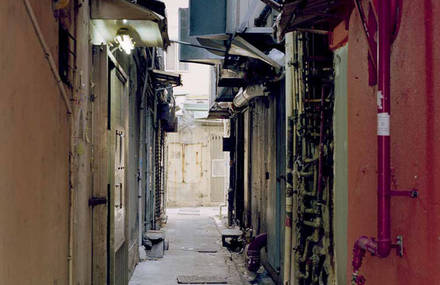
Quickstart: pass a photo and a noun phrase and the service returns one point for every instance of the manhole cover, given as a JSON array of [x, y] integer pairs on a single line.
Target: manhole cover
[[197, 279]]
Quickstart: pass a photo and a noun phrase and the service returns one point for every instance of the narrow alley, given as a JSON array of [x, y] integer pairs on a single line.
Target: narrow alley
[[264, 142], [195, 254]]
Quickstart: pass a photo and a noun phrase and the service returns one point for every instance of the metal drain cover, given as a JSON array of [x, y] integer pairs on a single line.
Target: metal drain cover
[[198, 279]]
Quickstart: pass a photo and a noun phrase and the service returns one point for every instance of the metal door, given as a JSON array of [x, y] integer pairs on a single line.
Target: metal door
[[108, 201], [118, 124]]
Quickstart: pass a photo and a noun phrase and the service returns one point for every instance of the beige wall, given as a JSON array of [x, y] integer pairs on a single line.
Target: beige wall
[[34, 150], [35, 147], [190, 176]]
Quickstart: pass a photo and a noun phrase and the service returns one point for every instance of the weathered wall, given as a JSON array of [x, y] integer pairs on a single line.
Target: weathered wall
[[190, 167], [82, 249], [34, 150], [415, 133]]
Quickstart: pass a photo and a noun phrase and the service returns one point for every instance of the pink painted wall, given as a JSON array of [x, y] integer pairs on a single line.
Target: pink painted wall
[[415, 136], [34, 148]]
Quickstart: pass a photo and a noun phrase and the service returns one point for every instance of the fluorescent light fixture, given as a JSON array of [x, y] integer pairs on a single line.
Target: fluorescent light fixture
[[124, 40], [143, 33]]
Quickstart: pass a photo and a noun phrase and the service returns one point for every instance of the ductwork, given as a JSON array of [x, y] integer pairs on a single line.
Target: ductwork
[[245, 95]]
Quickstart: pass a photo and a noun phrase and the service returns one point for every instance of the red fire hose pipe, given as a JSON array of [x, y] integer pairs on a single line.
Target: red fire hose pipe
[[382, 246]]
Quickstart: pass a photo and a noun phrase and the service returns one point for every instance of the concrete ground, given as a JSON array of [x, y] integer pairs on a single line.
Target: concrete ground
[[189, 231]]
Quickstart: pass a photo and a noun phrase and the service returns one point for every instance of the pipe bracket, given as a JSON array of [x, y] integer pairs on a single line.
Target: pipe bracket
[[398, 245], [405, 193]]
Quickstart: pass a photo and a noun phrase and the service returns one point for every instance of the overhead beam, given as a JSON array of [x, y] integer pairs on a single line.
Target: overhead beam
[[273, 4]]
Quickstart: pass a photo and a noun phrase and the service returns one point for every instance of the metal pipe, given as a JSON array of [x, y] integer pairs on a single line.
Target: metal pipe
[[289, 137], [253, 252], [321, 143], [245, 95], [47, 54], [383, 133], [382, 246]]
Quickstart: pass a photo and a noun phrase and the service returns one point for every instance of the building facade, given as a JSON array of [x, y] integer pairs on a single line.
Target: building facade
[[85, 120], [342, 187]]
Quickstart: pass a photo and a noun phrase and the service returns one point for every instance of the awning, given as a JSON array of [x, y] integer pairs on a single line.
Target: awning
[[317, 14], [164, 77], [145, 21]]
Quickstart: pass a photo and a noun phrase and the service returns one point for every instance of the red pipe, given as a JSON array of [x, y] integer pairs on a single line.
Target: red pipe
[[253, 252], [383, 133], [382, 246]]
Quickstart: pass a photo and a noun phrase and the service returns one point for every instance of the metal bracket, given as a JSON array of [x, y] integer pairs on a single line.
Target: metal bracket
[[399, 245], [405, 193], [94, 201]]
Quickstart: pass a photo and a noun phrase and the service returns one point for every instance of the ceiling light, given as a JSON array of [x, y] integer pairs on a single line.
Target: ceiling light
[[124, 40]]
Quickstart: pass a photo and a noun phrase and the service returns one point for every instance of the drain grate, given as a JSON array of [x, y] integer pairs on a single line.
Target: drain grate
[[198, 279]]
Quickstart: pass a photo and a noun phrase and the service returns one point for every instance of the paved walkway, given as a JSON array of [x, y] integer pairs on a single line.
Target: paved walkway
[[194, 249]]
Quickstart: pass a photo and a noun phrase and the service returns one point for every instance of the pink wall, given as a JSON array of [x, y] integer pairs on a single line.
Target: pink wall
[[34, 148], [415, 137]]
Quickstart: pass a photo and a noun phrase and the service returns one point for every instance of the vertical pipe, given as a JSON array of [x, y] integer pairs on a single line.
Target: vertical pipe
[[383, 133], [321, 143], [141, 162], [289, 135]]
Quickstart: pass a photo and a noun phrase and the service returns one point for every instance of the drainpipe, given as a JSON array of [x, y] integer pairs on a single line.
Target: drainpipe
[[245, 95], [63, 94], [253, 252]]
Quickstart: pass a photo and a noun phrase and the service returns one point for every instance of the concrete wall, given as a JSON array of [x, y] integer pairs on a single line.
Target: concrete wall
[[34, 150], [190, 178], [415, 136]]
